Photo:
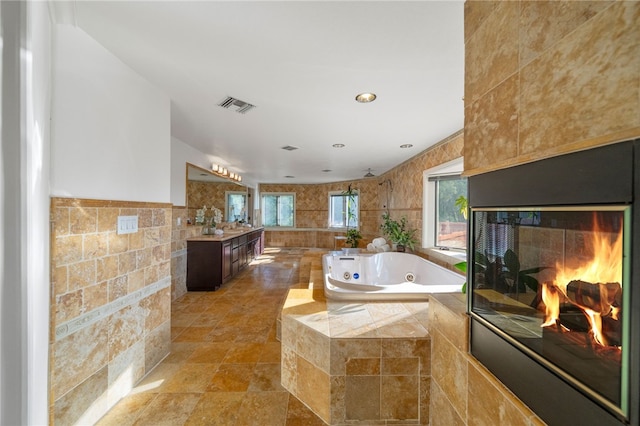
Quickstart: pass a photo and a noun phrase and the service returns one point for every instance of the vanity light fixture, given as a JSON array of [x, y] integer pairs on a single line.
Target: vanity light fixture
[[365, 98], [338, 145], [406, 145], [223, 172]]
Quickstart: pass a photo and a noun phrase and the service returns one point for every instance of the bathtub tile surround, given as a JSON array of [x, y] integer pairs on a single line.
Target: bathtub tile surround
[[110, 316], [355, 363]]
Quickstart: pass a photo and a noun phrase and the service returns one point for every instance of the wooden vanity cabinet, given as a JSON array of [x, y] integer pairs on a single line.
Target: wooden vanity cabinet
[[211, 262]]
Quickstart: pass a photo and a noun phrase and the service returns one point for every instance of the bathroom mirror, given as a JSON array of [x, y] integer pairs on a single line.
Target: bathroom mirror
[[205, 188]]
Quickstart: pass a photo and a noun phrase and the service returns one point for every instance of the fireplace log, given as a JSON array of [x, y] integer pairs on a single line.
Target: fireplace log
[[599, 297]]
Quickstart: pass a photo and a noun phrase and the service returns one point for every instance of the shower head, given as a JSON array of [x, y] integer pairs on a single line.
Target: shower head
[[387, 181]]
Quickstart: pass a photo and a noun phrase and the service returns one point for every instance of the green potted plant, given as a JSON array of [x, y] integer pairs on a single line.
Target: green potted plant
[[353, 234], [398, 233], [353, 237]]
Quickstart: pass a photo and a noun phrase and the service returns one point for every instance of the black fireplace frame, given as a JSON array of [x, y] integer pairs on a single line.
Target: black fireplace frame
[[600, 176]]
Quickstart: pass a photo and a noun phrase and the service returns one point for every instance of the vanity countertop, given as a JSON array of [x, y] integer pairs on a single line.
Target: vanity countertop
[[228, 234]]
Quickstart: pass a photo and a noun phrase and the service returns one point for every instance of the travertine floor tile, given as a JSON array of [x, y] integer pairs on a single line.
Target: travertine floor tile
[[216, 408], [194, 334], [231, 378], [209, 352], [128, 410], [266, 378], [168, 409], [263, 409], [190, 378]]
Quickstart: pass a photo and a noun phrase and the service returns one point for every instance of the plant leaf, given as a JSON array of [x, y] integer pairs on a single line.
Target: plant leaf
[[533, 270], [511, 262], [530, 282], [462, 266], [481, 259]]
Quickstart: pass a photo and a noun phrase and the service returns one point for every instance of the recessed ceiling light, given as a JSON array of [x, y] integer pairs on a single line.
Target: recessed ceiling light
[[289, 148], [406, 145], [290, 177], [326, 170], [364, 98], [338, 145]]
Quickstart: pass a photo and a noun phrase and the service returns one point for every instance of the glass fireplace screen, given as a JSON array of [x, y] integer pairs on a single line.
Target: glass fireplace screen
[[552, 280]]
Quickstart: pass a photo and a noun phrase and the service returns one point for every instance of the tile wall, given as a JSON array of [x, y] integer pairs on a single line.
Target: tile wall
[[110, 303], [403, 197], [208, 194], [537, 87], [179, 235], [463, 392]]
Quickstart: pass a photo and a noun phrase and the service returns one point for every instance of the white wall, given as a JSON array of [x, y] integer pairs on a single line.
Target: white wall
[[181, 154], [37, 201], [24, 212], [110, 127]]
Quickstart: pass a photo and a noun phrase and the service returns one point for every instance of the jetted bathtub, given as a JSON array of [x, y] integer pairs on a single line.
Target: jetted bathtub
[[385, 276]]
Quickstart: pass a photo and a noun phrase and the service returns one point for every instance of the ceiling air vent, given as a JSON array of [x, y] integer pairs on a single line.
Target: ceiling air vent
[[236, 105], [290, 148]]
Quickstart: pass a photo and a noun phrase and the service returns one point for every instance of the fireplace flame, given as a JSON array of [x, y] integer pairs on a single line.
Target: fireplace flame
[[593, 286]]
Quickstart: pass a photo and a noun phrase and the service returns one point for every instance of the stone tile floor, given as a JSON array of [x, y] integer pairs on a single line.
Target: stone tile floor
[[224, 365]]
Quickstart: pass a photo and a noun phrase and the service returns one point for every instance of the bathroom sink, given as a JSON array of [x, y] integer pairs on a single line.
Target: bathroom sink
[[233, 231]]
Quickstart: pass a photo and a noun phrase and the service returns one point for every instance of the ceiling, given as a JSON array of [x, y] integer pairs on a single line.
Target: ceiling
[[301, 63]]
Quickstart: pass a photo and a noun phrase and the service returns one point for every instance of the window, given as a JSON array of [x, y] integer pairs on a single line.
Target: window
[[278, 209], [451, 225], [343, 210], [445, 226], [236, 206]]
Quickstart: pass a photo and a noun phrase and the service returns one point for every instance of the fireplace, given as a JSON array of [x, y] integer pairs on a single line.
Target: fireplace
[[554, 302]]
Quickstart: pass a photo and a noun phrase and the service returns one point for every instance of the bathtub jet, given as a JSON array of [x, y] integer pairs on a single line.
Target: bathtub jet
[[385, 276]]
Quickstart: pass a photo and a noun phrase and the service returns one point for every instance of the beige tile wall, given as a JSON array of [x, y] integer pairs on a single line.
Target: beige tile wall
[[110, 303], [179, 235], [403, 197], [208, 194], [537, 87]]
